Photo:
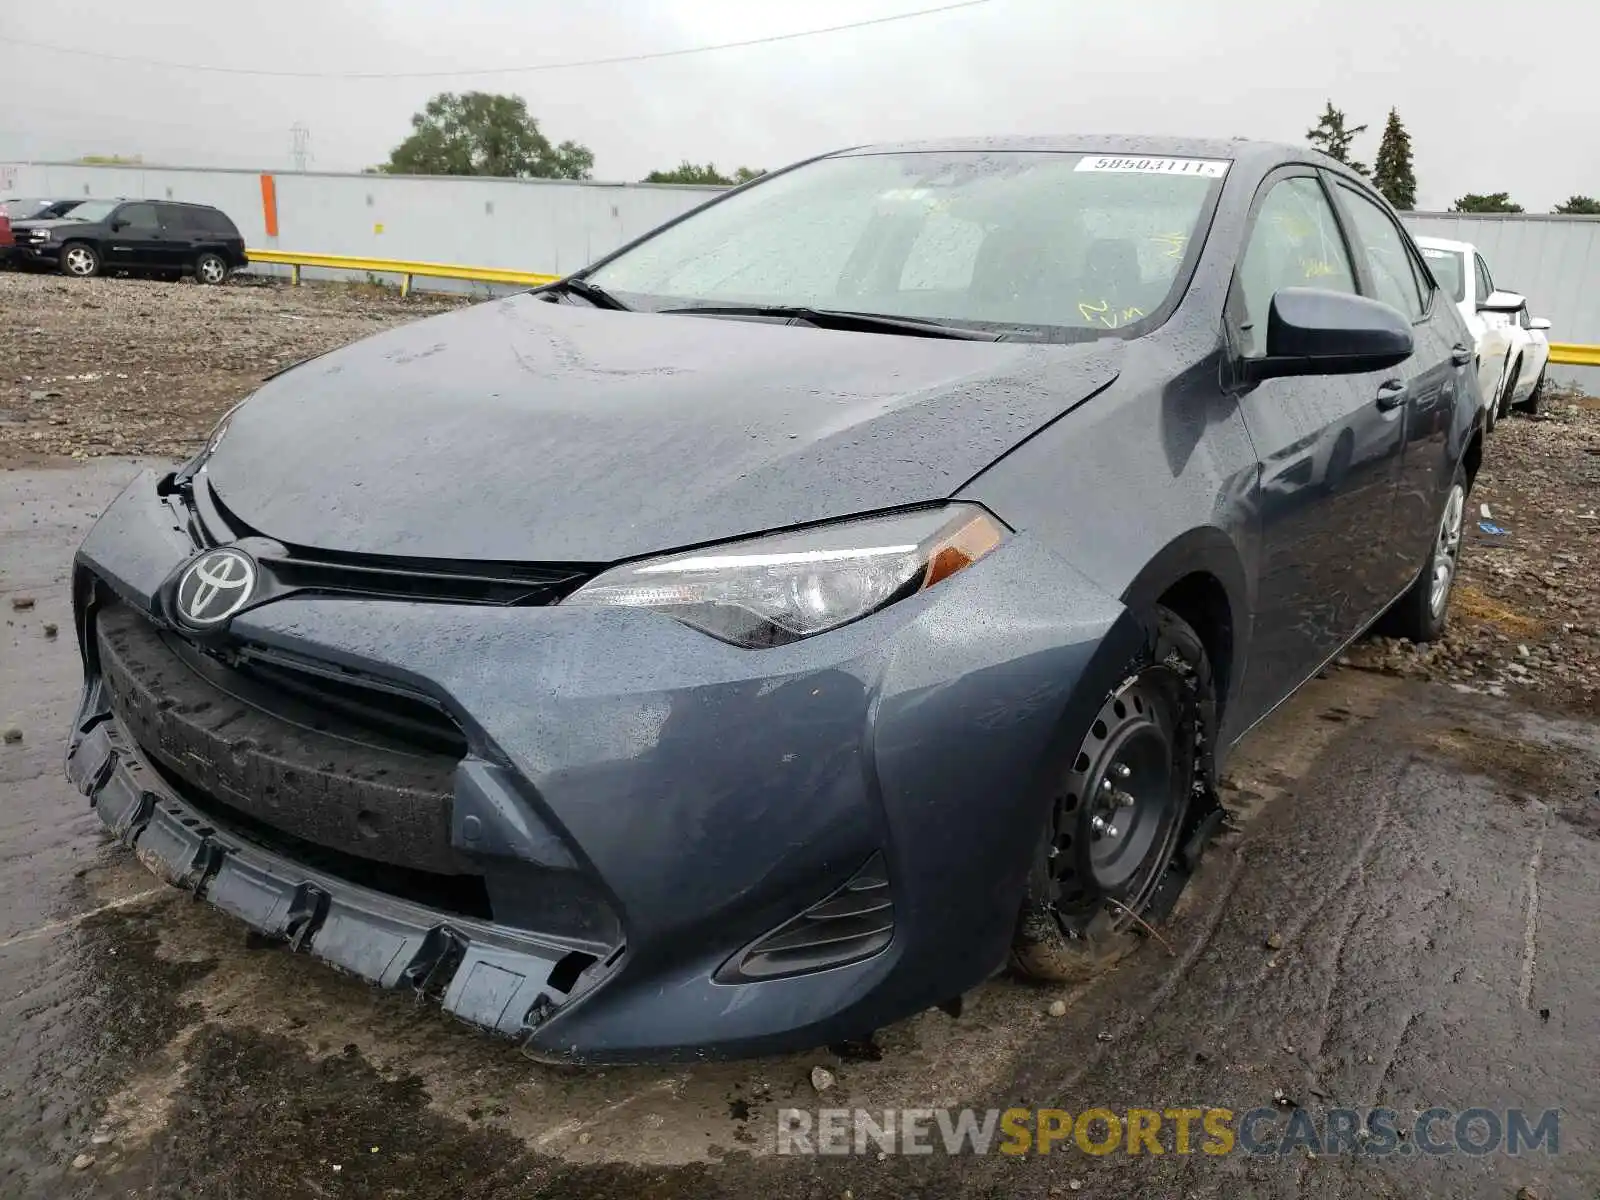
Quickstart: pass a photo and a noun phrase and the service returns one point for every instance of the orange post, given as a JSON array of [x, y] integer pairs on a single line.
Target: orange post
[[269, 204]]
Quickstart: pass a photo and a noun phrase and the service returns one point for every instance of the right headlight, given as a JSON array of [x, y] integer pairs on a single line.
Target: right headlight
[[770, 591]]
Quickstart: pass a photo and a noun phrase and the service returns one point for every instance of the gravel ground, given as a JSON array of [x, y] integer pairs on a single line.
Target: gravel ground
[[90, 368], [126, 366], [1525, 619]]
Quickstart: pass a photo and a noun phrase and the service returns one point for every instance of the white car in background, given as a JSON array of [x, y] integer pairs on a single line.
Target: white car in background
[[1530, 354], [1502, 341]]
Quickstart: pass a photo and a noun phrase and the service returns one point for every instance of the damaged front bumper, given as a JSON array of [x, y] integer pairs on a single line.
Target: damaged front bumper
[[486, 974], [659, 821]]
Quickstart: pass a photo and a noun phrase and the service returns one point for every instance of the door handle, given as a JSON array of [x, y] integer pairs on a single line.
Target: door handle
[[1460, 355], [1391, 394]]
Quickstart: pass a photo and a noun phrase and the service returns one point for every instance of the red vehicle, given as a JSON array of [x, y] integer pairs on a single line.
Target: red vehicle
[[7, 242]]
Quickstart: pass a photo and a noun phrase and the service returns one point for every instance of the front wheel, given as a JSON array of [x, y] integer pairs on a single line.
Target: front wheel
[[210, 268], [80, 259], [1420, 615], [1118, 810]]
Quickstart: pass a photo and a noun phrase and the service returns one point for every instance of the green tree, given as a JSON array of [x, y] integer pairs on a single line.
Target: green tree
[[1391, 170], [1586, 206], [481, 133], [688, 172], [1333, 138], [1486, 202]]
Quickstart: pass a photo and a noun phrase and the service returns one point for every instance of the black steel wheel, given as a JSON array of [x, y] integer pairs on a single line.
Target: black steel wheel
[[1119, 811]]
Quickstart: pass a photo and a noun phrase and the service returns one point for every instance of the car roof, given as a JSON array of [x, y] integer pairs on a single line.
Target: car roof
[[1241, 150], [1434, 243]]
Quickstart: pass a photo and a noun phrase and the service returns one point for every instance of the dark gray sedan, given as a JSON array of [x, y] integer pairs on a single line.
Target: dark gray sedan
[[779, 627]]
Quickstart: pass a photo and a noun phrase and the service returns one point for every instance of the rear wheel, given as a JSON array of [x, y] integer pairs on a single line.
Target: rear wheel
[[80, 259], [210, 268], [1118, 811], [1420, 615], [1531, 404]]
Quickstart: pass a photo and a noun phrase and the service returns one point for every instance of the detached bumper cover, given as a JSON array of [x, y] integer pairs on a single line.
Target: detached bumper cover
[[618, 763], [490, 975]]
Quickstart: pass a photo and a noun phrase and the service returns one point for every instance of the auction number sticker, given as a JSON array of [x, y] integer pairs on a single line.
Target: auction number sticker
[[1206, 168]]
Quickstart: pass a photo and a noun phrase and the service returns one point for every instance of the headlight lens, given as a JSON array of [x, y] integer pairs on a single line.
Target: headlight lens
[[770, 591]]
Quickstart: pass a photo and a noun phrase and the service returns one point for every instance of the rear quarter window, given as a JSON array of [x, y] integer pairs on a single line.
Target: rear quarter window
[[209, 221]]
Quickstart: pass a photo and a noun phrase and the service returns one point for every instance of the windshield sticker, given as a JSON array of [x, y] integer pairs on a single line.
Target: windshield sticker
[[1204, 167]]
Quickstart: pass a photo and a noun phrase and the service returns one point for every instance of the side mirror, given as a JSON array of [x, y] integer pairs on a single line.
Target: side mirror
[[1502, 302], [117, 224], [1315, 332], [1539, 323]]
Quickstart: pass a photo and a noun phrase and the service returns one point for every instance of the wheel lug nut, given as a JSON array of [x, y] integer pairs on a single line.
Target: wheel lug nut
[[1122, 770]]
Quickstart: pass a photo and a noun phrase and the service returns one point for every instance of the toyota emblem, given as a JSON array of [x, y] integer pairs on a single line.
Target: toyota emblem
[[215, 586]]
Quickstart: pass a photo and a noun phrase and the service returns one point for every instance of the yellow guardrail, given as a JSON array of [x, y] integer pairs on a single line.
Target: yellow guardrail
[[395, 266], [1569, 354]]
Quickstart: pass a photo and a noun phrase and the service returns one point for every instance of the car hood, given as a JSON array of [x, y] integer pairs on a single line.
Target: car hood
[[45, 223], [520, 430]]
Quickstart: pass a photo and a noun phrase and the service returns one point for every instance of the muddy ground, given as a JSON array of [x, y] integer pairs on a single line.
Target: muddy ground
[[1403, 915]]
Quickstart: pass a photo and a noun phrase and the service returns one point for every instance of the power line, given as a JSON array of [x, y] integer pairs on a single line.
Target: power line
[[556, 66]]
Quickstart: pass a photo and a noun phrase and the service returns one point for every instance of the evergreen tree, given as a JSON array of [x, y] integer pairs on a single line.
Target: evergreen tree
[[1391, 170], [1333, 139], [1579, 206]]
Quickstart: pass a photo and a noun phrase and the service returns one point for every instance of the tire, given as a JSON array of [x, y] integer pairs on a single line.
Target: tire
[[80, 260], [1422, 613], [1144, 755], [1531, 404], [210, 269]]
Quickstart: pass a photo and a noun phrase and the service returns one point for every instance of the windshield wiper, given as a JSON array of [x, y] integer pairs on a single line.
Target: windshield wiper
[[834, 318], [595, 295]]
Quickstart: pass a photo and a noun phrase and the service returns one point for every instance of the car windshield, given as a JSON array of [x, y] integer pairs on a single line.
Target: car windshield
[[1449, 268], [21, 210], [92, 210], [1030, 244]]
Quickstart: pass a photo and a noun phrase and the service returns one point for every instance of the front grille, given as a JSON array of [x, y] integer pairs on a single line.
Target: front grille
[[379, 577], [339, 764], [851, 924]]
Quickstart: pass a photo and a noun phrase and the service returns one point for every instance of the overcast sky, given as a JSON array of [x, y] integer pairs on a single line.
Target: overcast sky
[[1496, 96]]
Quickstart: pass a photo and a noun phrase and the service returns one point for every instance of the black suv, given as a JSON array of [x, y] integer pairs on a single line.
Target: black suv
[[154, 236]]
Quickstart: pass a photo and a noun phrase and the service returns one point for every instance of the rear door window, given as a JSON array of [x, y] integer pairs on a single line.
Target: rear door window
[[139, 218], [175, 221], [1380, 241]]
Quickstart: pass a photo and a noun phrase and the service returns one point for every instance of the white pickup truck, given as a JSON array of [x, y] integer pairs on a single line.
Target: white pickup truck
[[1512, 349]]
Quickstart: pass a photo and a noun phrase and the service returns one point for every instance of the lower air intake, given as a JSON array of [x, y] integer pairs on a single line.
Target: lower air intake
[[853, 923]]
